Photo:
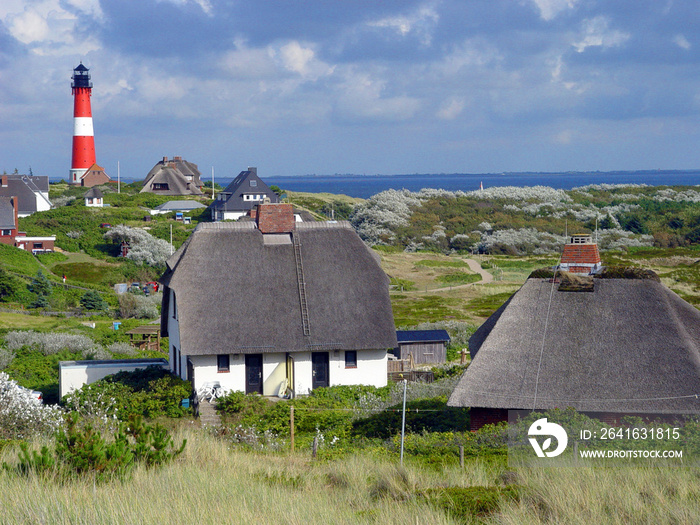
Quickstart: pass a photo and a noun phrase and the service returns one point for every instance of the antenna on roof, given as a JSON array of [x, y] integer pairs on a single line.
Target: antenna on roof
[[212, 182], [119, 179], [596, 229]]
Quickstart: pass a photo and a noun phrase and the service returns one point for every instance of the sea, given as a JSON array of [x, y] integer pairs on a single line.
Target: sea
[[364, 186]]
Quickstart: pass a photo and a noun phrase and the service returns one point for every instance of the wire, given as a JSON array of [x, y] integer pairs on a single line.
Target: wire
[[544, 334]]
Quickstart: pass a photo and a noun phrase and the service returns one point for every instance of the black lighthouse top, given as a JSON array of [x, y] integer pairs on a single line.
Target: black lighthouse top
[[81, 77]]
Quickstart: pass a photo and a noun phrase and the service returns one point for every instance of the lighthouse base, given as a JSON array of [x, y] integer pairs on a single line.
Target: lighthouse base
[[75, 176]]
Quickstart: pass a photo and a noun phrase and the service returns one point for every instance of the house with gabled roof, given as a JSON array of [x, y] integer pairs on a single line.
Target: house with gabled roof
[[609, 348], [8, 220], [241, 196], [94, 198], [277, 307], [173, 177], [32, 192], [94, 176]]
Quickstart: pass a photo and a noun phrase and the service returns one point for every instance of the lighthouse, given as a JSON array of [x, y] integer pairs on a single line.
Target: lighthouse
[[83, 135]]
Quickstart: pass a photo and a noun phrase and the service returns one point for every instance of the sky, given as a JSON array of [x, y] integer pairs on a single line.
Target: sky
[[364, 86]]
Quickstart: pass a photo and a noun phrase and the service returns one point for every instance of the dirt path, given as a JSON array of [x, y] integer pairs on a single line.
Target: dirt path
[[475, 267]]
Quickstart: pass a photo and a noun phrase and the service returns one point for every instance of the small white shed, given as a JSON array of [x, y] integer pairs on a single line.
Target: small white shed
[[72, 375]]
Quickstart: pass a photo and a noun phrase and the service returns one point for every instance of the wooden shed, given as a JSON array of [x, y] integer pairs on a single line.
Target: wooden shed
[[425, 346], [145, 337]]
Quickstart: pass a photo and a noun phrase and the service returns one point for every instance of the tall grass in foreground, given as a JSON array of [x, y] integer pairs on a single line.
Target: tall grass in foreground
[[605, 495], [211, 483]]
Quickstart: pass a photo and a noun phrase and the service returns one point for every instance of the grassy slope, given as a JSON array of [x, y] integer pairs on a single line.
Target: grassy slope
[[215, 483]]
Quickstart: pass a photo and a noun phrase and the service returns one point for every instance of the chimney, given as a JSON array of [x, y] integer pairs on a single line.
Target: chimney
[[177, 159], [4, 181], [165, 160], [275, 218], [253, 169], [15, 206]]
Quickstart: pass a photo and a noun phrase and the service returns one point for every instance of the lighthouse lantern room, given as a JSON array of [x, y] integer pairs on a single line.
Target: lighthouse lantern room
[[83, 134]]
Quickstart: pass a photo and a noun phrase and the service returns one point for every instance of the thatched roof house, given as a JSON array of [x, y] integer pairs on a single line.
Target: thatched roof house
[[278, 289], [628, 346], [173, 177]]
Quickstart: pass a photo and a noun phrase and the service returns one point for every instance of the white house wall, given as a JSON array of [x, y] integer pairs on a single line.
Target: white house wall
[[371, 370]]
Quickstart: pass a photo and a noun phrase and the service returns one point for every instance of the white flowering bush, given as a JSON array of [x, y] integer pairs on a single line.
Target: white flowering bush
[[49, 343], [96, 404], [6, 357], [143, 247], [521, 241], [23, 416]]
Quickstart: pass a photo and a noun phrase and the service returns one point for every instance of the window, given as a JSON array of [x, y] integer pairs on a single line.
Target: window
[[7, 232], [253, 183], [351, 359], [160, 186], [222, 363], [38, 246]]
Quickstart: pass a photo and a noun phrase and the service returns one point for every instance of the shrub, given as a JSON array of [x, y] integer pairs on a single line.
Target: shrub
[[21, 415], [91, 300], [150, 392], [9, 286], [137, 306], [143, 247], [466, 503], [82, 450]]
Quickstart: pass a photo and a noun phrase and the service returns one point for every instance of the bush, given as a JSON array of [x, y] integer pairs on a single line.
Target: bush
[[138, 306], [150, 392], [91, 300], [466, 503], [81, 450], [21, 415]]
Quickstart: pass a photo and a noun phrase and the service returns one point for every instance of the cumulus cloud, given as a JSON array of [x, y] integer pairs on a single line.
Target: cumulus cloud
[[596, 32], [301, 59], [49, 29]]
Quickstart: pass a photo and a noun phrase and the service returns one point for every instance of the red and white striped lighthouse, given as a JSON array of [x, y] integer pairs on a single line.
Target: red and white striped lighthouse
[[83, 134]]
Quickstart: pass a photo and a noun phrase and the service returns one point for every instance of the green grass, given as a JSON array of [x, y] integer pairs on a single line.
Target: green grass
[[453, 263], [410, 311], [458, 278], [486, 305], [19, 261]]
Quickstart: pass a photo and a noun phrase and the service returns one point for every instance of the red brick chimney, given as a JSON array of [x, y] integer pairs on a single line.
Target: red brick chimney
[[275, 218], [4, 181]]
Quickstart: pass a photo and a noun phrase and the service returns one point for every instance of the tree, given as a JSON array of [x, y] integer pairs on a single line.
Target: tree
[[40, 285], [91, 300]]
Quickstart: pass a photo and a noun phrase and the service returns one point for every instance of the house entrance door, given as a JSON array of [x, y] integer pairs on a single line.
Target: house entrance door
[[319, 370], [253, 374]]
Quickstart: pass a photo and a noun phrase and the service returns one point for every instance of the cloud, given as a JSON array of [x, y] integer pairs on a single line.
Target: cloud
[[301, 59], [597, 33], [47, 29], [549, 9], [451, 109], [682, 42], [421, 22], [205, 5], [363, 98]]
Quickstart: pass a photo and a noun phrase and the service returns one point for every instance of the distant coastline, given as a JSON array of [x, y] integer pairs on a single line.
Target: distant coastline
[[364, 186]]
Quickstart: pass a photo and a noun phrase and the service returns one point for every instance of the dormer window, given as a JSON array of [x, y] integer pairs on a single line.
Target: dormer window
[[160, 186]]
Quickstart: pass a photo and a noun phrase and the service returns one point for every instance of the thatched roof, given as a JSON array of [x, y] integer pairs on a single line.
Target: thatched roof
[[237, 290], [630, 346], [180, 176]]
